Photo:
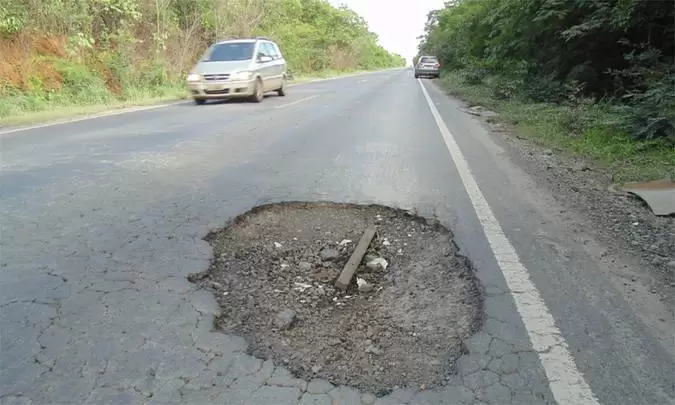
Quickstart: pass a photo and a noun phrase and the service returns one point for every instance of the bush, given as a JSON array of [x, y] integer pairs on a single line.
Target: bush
[[475, 76], [82, 85], [566, 52]]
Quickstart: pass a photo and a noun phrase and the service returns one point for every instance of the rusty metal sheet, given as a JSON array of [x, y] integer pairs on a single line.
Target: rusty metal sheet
[[658, 194]]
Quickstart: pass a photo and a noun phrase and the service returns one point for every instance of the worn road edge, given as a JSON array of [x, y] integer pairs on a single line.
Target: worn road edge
[[566, 382]]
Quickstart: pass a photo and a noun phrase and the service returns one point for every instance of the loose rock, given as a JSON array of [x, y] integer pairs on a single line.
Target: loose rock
[[582, 167], [195, 277], [363, 285], [377, 264], [372, 349], [285, 319], [305, 266], [329, 254]]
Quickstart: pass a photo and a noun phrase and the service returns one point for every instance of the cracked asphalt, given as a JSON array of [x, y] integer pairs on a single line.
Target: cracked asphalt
[[103, 219]]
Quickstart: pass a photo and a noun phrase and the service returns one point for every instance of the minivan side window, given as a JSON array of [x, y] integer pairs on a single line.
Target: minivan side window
[[277, 51], [261, 50], [269, 50]]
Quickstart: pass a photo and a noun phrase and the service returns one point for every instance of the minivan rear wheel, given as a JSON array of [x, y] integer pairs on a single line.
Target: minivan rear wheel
[[200, 101], [281, 91]]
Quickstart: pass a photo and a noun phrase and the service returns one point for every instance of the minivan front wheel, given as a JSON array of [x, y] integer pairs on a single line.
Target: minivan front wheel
[[258, 93]]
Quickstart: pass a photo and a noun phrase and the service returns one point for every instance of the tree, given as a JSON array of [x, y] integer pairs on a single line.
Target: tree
[[552, 50]]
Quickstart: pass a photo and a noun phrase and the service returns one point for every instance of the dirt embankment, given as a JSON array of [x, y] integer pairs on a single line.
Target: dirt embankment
[[27, 62]]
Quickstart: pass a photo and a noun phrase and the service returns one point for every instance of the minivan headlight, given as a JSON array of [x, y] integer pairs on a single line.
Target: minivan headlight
[[240, 76], [193, 77]]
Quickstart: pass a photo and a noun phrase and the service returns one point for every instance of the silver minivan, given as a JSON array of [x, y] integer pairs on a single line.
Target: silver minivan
[[245, 67]]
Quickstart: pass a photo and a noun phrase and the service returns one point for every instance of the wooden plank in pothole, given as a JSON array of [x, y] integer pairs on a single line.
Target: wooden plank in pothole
[[350, 268]]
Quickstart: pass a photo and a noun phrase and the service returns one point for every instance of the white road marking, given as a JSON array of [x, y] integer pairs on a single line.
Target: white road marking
[[344, 76], [565, 380], [297, 101]]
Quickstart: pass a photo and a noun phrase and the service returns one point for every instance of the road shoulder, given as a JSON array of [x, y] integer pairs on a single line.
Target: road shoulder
[[594, 285], [622, 224]]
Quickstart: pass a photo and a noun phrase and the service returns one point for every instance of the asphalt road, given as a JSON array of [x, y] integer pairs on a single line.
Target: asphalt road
[[103, 219]]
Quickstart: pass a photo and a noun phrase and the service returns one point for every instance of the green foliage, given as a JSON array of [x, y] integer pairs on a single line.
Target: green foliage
[[12, 19], [618, 52], [583, 128], [124, 49], [316, 36], [80, 83]]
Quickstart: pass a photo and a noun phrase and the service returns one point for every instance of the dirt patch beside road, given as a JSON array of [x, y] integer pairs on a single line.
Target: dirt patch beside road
[[273, 273]]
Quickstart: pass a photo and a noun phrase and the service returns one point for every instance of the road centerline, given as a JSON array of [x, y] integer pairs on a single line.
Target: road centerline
[[296, 101], [565, 380]]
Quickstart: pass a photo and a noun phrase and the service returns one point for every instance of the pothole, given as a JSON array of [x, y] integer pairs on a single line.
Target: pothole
[[273, 274]]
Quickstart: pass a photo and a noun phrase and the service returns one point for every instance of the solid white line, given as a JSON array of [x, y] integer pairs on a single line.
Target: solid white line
[[565, 380], [297, 101]]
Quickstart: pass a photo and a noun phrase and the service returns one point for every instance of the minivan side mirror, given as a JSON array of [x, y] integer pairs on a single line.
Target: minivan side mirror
[[264, 59]]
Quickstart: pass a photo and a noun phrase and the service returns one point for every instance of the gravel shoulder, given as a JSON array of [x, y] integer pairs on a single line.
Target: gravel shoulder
[[639, 245]]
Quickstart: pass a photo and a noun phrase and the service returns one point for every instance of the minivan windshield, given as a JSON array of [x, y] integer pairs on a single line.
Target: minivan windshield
[[229, 52], [428, 59]]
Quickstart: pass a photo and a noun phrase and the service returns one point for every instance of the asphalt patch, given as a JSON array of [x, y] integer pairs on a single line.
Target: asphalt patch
[[401, 322]]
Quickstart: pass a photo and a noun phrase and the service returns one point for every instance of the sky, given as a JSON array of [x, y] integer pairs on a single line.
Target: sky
[[397, 23]]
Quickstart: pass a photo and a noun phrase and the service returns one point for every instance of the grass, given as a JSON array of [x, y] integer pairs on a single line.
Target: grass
[[62, 110], [580, 130], [36, 107], [25, 108], [326, 74]]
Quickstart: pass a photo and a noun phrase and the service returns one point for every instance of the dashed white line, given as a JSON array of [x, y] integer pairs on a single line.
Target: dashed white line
[[565, 380], [297, 101]]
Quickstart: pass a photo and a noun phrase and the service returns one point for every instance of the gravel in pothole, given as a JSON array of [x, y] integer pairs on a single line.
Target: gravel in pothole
[[401, 322]]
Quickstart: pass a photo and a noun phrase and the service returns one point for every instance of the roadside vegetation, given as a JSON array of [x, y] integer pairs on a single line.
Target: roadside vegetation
[[594, 78], [75, 56]]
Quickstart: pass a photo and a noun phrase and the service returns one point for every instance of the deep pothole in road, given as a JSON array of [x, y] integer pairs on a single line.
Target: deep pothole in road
[[401, 321]]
